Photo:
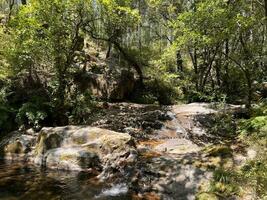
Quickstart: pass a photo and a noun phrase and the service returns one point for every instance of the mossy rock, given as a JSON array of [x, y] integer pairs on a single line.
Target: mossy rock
[[207, 196], [212, 163], [227, 190], [15, 147], [219, 151]]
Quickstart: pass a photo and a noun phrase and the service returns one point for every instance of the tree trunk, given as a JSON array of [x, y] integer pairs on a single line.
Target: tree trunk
[[193, 56], [131, 61], [249, 90], [226, 67], [218, 73], [109, 50], [179, 62], [11, 5], [265, 8]]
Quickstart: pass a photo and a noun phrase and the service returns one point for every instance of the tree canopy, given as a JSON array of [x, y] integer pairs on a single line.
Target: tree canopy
[[196, 50]]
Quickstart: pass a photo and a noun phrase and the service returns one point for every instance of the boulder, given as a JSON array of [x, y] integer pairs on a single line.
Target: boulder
[[73, 148], [19, 147], [72, 158], [112, 86]]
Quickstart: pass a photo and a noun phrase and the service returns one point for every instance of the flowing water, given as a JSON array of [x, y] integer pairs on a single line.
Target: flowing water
[[24, 182], [172, 161]]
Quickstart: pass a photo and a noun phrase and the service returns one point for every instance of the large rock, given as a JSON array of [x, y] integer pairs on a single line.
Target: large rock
[[19, 147], [112, 86], [72, 148]]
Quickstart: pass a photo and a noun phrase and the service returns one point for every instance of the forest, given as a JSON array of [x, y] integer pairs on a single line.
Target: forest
[[147, 69]]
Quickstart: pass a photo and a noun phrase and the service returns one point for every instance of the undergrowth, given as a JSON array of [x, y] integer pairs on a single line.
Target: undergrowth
[[250, 178]]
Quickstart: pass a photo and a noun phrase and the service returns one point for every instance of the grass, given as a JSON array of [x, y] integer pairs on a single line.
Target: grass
[[249, 179]]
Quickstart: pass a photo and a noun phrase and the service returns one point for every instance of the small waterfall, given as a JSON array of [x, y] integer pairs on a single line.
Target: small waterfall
[[173, 128], [174, 136], [115, 190]]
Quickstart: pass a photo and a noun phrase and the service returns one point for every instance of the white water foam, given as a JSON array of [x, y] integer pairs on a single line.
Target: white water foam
[[115, 190]]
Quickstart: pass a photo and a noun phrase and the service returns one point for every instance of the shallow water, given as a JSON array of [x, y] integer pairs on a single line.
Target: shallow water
[[23, 182]]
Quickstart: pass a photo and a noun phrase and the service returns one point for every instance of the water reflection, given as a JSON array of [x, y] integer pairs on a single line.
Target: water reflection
[[23, 182]]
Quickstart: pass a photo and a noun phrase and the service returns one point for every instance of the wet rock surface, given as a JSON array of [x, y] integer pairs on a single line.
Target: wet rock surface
[[79, 148], [138, 120], [157, 153]]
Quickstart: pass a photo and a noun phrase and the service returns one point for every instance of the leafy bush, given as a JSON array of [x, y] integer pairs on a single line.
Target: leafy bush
[[254, 132], [164, 91], [256, 127], [143, 97], [210, 96], [6, 112], [221, 124], [254, 174], [6, 118], [195, 96], [81, 107], [157, 90], [222, 186], [33, 113]]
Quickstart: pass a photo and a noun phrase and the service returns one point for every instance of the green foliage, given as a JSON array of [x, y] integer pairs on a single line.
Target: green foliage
[[197, 96], [157, 90], [219, 150], [6, 113], [224, 125], [33, 113], [254, 172], [223, 184], [257, 125], [254, 175], [198, 50], [164, 83], [144, 97], [205, 32], [164, 91], [81, 106], [204, 26], [206, 196]]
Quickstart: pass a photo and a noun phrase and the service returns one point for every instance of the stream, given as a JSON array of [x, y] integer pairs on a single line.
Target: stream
[[167, 165], [24, 182]]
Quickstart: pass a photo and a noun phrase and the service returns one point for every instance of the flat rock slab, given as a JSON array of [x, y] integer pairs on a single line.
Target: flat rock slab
[[193, 109], [178, 146]]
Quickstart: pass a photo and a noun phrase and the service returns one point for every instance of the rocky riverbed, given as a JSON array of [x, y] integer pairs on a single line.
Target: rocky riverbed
[[154, 152]]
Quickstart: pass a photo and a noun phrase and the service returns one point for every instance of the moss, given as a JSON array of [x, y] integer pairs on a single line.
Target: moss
[[15, 147], [211, 163], [226, 189], [219, 151], [67, 157], [79, 140], [207, 196]]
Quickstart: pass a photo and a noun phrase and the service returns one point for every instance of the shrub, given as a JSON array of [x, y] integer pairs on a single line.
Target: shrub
[[81, 106], [6, 115], [224, 184], [6, 112], [256, 127], [33, 113], [157, 90], [254, 174]]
